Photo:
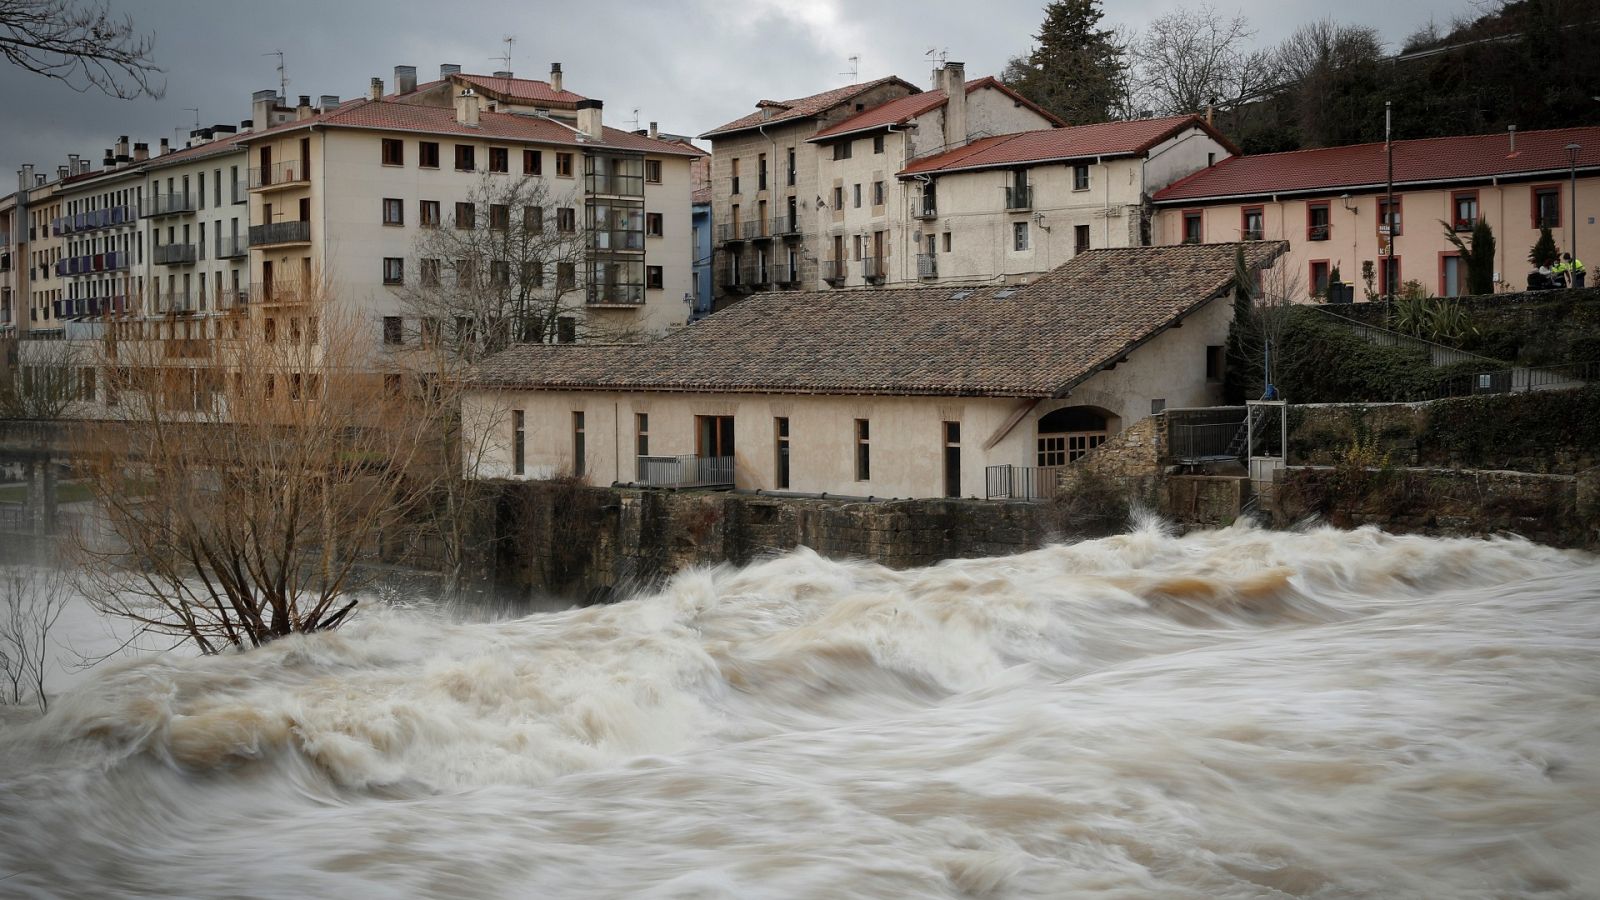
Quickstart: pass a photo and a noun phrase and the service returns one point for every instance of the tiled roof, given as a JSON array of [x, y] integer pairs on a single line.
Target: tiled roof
[[1462, 158], [1038, 340], [390, 116], [773, 111], [524, 89], [904, 109], [1073, 142]]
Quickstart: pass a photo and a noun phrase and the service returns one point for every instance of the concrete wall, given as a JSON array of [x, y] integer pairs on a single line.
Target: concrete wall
[[1420, 247]]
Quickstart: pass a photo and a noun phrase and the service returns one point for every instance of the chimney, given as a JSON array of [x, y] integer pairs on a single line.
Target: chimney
[[328, 101], [25, 177], [40, 180], [1210, 113], [954, 82], [467, 108], [589, 119], [247, 124], [72, 161], [503, 73], [654, 131], [555, 76], [122, 146], [223, 129], [261, 105], [405, 79], [375, 90], [141, 152], [303, 110], [448, 69], [166, 147], [1511, 131], [61, 173]]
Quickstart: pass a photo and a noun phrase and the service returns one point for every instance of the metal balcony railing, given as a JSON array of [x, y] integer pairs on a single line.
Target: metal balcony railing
[[927, 209], [1318, 232], [233, 298], [616, 240], [685, 471], [615, 185], [280, 233], [872, 268], [281, 174], [1250, 234], [927, 265], [175, 302], [1021, 482], [615, 294], [1019, 196], [173, 254], [786, 225], [168, 205], [233, 246], [93, 263], [786, 275], [833, 270], [278, 292], [754, 230], [760, 275], [729, 232]]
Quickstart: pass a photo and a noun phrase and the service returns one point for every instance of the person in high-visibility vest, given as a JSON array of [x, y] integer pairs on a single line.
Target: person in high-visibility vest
[[1558, 274], [1573, 269]]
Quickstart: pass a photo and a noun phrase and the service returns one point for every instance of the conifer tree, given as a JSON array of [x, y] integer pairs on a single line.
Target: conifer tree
[[1544, 252], [1077, 70]]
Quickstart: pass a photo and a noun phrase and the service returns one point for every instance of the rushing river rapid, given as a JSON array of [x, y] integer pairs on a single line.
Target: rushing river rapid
[[1236, 713]]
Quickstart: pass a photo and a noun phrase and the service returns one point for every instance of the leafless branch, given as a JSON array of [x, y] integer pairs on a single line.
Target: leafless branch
[[80, 44]]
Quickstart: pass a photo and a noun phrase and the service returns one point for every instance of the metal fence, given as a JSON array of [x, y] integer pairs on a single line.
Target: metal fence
[[685, 471], [1384, 337], [1021, 482], [1517, 380], [1195, 435]]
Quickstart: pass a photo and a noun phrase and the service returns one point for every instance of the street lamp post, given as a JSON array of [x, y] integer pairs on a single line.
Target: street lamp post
[[1572, 169]]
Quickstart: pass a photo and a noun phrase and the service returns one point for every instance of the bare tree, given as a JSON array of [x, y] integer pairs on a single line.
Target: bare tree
[[1332, 71], [81, 44], [31, 601], [1189, 59], [241, 494], [49, 378]]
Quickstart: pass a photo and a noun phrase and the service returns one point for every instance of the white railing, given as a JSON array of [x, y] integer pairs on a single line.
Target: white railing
[[685, 471]]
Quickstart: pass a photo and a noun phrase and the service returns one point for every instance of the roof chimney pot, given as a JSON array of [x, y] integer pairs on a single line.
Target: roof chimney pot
[[405, 79], [375, 89], [448, 69], [467, 108], [141, 152], [655, 132], [503, 73], [590, 120], [1511, 131], [555, 76], [954, 82], [166, 146]]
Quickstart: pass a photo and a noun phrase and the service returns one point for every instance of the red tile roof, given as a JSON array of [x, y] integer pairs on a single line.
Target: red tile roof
[[772, 111], [390, 116], [524, 89], [904, 109], [1073, 142], [1460, 158]]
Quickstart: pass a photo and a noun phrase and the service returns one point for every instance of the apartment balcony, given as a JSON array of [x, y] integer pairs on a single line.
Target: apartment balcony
[[174, 254], [834, 271], [92, 264], [175, 303], [785, 275], [616, 241], [734, 277], [1019, 197], [759, 275], [786, 226], [95, 220], [279, 176], [115, 304], [278, 293], [280, 233], [168, 205], [233, 247], [758, 230], [927, 265], [730, 232], [873, 269], [234, 298], [927, 209], [685, 471], [625, 296], [614, 185]]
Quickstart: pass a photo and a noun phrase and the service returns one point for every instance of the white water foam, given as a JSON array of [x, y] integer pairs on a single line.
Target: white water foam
[[1237, 713]]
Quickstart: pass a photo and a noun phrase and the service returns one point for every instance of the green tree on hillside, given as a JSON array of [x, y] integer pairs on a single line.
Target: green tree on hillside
[[1077, 70]]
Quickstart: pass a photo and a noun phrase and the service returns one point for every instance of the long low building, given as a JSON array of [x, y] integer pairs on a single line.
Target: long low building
[[915, 392]]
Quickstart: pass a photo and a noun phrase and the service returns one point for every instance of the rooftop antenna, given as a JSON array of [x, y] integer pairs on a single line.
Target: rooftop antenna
[[505, 59], [635, 125], [938, 55], [855, 69], [283, 74], [196, 116]]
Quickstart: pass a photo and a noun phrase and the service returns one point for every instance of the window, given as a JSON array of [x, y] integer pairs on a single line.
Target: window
[[428, 271], [428, 154], [1157, 407], [533, 273], [838, 196], [653, 224], [857, 194], [653, 278], [734, 174], [761, 172], [793, 168], [566, 220], [877, 193], [1547, 207], [952, 459], [519, 442], [1214, 362], [1319, 278], [466, 157], [533, 162], [564, 165], [1080, 238], [1318, 224], [393, 333], [428, 213], [877, 144], [641, 434], [466, 276], [393, 270], [842, 150], [577, 444], [394, 153], [1394, 219], [1019, 235], [533, 219], [947, 242], [713, 436], [499, 159], [1080, 177], [1193, 226], [1464, 210], [1389, 275], [652, 171], [566, 329], [499, 216], [780, 466], [466, 215], [566, 277], [863, 450], [394, 212], [1251, 220]]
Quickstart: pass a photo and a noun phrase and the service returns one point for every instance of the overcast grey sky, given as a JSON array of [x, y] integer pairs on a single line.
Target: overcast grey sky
[[688, 64]]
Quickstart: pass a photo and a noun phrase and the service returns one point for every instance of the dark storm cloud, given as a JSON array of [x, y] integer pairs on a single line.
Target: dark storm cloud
[[689, 65]]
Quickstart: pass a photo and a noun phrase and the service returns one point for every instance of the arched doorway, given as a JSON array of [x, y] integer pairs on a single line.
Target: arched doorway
[[1068, 433]]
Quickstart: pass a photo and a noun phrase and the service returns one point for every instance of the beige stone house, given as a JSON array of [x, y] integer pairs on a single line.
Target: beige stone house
[[899, 392], [804, 193]]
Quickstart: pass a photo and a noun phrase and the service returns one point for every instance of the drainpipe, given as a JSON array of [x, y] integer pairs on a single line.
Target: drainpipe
[[905, 233]]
